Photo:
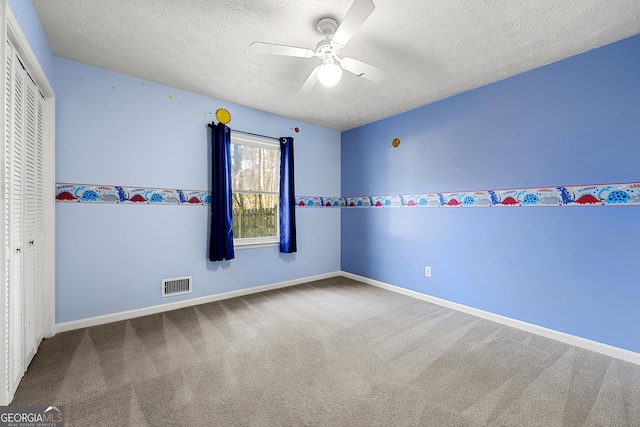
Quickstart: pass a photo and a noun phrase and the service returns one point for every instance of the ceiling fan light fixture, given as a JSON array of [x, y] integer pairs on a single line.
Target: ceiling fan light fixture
[[328, 49], [329, 74]]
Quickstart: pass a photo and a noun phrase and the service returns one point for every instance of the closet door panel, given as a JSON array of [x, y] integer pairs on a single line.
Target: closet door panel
[[39, 239], [29, 200], [8, 247], [16, 359]]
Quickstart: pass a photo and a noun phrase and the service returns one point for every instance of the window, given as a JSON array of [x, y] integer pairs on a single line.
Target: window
[[255, 182]]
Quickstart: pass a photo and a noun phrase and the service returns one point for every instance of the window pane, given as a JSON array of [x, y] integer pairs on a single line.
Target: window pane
[[254, 168], [255, 215]]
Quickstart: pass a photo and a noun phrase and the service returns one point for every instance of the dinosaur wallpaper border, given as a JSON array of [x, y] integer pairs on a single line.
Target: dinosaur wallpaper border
[[581, 195]]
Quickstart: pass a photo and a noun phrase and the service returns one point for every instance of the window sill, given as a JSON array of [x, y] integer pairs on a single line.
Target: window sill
[[253, 245]]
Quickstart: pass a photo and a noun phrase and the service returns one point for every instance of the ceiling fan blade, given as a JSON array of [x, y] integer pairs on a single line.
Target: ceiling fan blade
[[362, 69], [355, 17], [311, 81], [279, 49]]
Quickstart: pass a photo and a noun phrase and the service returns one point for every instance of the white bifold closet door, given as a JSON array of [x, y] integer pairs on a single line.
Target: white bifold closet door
[[25, 216]]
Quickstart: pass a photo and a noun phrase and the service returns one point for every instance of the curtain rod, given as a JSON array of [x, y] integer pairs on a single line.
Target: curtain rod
[[252, 134]]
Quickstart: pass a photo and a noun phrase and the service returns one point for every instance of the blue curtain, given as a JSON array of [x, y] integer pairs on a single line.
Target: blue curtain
[[287, 198], [221, 239]]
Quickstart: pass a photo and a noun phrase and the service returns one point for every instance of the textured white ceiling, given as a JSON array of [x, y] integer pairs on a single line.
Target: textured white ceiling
[[431, 49]]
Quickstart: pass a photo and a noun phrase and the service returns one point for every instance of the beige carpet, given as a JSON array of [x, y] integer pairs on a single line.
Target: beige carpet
[[328, 353]]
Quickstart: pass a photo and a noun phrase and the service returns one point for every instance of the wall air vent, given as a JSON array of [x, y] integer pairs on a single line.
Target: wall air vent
[[176, 286]]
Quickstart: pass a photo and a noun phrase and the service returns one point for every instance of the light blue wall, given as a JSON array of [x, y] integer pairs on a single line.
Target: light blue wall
[[118, 130], [30, 25], [113, 129], [572, 269]]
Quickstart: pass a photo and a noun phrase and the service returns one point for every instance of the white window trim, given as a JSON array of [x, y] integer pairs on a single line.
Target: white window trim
[[257, 242], [254, 141]]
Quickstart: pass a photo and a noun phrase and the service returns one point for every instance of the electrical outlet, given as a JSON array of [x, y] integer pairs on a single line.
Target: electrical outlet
[[232, 268], [427, 271]]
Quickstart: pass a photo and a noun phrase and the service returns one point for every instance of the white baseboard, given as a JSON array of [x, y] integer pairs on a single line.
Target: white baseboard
[[131, 314], [608, 350]]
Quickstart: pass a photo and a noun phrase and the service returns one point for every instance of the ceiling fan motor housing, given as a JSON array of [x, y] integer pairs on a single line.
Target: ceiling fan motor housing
[[325, 50]]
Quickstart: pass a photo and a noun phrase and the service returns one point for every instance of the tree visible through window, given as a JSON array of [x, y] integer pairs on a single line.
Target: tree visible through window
[[255, 182]]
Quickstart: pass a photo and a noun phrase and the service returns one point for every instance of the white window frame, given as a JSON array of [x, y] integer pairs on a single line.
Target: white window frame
[[255, 141]]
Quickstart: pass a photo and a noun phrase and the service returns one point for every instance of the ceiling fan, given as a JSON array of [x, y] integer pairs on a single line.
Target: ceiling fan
[[328, 49]]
